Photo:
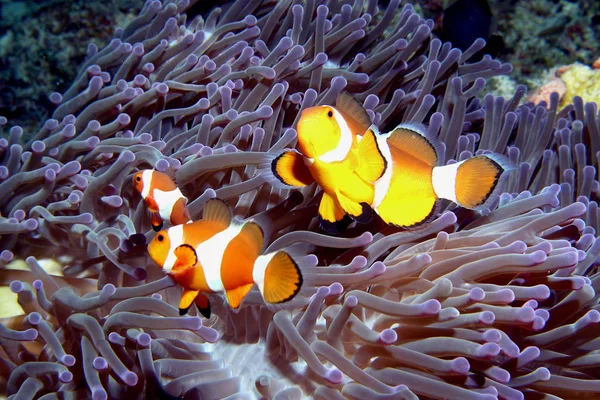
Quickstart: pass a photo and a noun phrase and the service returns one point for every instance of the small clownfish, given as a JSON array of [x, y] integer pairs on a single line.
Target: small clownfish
[[407, 194], [217, 254], [337, 150], [162, 197]]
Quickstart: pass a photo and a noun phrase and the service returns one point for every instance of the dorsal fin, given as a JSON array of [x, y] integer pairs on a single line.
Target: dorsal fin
[[217, 210], [353, 112], [255, 236], [163, 181], [414, 142]]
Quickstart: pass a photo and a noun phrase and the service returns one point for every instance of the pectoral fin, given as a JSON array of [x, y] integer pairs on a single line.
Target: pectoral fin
[[372, 163], [187, 298], [203, 305], [186, 257], [333, 218], [289, 168]]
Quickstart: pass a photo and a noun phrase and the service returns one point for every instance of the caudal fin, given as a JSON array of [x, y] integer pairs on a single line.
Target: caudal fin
[[278, 277], [469, 183]]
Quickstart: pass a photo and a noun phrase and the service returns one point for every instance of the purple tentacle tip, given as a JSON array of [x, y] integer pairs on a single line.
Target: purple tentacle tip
[[100, 363], [108, 290], [144, 340], [209, 334], [322, 292], [86, 218], [16, 286], [499, 374], [6, 256], [488, 350], [487, 317], [112, 201], [34, 318], [460, 365], [334, 376], [30, 224], [431, 307], [30, 334], [525, 314], [476, 294], [351, 301], [139, 274], [377, 268], [335, 289], [388, 336], [359, 262], [144, 138], [55, 98], [130, 378], [162, 165], [492, 335], [127, 156], [365, 238], [68, 360], [538, 323], [65, 376]]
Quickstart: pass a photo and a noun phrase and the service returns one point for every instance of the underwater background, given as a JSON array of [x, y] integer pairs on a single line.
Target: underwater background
[[494, 303]]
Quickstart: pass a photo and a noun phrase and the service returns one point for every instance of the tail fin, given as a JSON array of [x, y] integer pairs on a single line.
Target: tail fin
[[469, 183], [278, 277]]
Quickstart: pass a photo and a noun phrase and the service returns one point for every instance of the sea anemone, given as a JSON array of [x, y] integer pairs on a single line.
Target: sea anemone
[[493, 303]]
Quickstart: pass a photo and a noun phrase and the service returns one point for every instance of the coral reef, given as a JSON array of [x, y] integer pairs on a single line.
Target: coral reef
[[580, 80], [481, 304], [42, 42]]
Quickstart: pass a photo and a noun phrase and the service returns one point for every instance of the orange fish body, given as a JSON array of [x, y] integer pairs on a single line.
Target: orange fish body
[[217, 254], [340, 153], [407, 194], [162, 197]]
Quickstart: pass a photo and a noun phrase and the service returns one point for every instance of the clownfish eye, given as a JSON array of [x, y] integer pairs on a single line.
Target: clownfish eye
[[160, 238], [330, 113], [138, 178]]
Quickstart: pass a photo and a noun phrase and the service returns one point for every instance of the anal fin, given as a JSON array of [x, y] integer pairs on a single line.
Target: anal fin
[[203, 305], [372, 163], [187, 298], [235, 296], [332, 217]]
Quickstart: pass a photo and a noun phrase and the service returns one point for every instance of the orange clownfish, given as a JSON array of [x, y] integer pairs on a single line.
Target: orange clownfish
[[162, 197], [339, 152], [217, 254], [395, 174], [407, 194]]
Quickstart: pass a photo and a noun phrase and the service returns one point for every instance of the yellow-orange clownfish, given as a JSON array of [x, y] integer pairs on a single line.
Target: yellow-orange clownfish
[[339, 152], [217, 254], [162, 197], [408, 192]]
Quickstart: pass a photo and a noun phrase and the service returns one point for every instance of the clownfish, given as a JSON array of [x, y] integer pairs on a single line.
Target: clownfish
[[162, 197], [337, 150], [394, 174], [407, 194], [217, 254]]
